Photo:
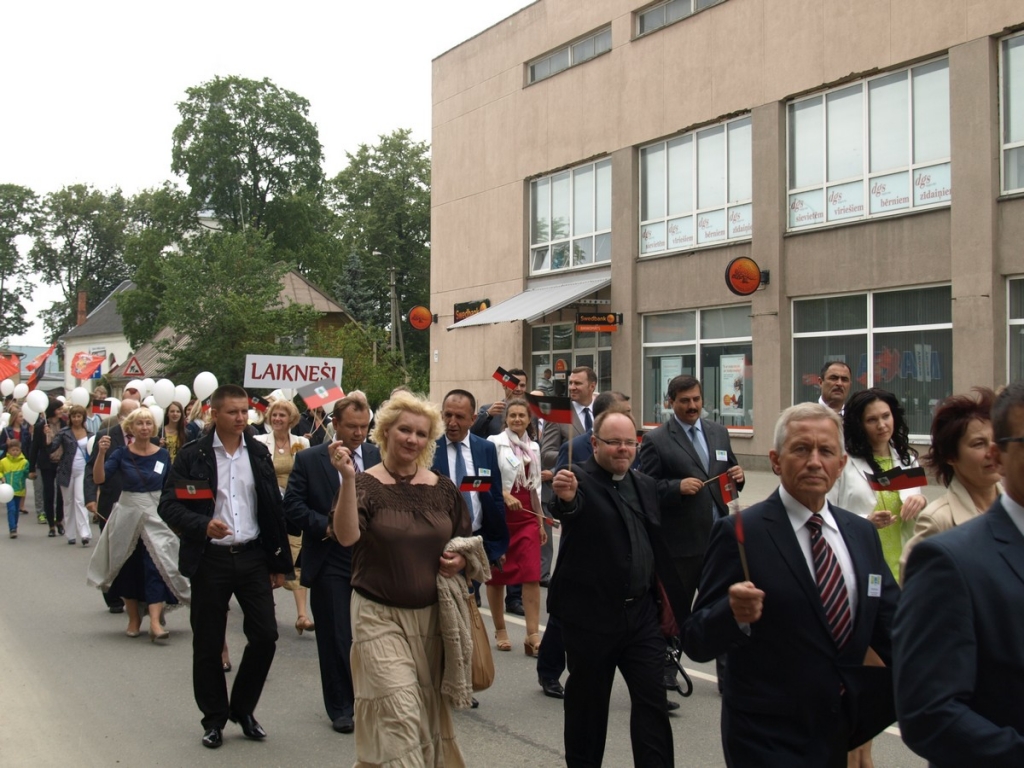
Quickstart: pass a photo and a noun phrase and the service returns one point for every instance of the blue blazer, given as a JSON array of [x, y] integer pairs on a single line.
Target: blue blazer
[[308, 505], [959, 645], [785, 678], [493, 527]]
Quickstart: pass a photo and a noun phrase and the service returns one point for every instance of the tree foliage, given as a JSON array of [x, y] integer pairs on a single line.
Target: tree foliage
[[383, 203], [354, 293], [242, 144], [18, 207], [79, 243], [226, 297]]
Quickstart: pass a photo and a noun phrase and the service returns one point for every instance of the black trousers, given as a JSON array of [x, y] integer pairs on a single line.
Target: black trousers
[[330, 597], [551, 657], [53, 499], [220, 575], [637, 650]]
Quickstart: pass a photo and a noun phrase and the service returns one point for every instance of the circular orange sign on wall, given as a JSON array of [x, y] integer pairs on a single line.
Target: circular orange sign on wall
[[743, 276], [420, 317]]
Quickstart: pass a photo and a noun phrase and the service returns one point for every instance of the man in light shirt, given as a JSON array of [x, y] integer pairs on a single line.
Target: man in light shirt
[[222, 499], [835, 381], [796, 632]]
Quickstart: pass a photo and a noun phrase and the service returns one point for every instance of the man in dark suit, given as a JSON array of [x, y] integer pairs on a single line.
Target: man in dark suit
[[798, 693], [682, 455], [101, 503], [458, 449], [491, 418], [603, 592], [326, 565], [959, 637], [222, 499]]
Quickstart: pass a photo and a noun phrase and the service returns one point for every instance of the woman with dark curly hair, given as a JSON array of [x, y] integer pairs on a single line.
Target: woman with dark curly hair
[[961, 458], [877, 440]]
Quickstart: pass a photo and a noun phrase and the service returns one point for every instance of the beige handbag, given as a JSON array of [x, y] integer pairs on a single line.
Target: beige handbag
[[483, 663]]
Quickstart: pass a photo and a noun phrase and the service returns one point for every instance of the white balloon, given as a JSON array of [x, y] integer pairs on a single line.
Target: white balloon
[[28, 415], [5, 419], [6, 387], [115, 406], [37, 400], [204, 385], [62, 399], [20, 391], [149, 401], [182, 394], [163, 392], [80, 396], [149, 385], [6, 493], [137, 385], [158, 415]]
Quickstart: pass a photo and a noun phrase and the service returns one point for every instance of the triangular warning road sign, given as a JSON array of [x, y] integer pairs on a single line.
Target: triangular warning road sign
[[132, 368]]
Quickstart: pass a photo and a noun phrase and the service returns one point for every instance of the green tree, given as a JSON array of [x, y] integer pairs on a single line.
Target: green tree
[[158, 221], [17, 211], [241, 144], [226, 299], [79, 244], [383, 203], [353, 293]]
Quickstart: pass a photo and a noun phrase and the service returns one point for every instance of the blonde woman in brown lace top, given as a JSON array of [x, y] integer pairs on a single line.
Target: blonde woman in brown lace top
[[398, 517]]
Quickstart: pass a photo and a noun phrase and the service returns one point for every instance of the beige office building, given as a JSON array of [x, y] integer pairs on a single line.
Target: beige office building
[[607, 157]]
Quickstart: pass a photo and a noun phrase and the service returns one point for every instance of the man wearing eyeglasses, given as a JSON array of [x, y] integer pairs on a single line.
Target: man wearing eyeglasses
[[603, 594], [958, 638]]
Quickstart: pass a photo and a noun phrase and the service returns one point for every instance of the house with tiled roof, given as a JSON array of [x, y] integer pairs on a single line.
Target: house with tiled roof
[[99, 332]]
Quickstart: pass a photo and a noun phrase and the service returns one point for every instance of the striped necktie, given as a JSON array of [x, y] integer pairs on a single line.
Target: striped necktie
[[831, 584]]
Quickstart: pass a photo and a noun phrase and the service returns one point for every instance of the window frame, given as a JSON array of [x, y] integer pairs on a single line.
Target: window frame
[[868, 332], [569, 49], [571, 236], [866, 177], [1011, 323], [1004, 145], [638, 15], [696, 211], [698, 343]]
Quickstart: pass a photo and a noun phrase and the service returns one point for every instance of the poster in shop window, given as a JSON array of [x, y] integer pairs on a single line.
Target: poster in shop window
[[731, 385]]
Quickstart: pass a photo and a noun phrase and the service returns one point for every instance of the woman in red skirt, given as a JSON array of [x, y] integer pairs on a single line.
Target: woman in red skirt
[[519, 459]]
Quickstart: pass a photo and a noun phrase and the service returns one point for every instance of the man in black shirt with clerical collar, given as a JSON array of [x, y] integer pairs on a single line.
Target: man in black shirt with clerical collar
[[603, 591]]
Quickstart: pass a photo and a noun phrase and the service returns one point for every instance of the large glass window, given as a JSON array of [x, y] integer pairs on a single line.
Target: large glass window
[[561, 348], [571, 218], [907, 335], [712, 344], [872, 148], [570, 55], [1015, 332], [696, 189], [1012, 106]]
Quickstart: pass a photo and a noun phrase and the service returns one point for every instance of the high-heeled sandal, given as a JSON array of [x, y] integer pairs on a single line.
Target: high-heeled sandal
[[304, 624], [501, 641], [532, 644]]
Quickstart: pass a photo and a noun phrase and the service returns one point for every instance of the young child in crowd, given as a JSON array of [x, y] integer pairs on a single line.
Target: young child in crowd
[[14, 470]]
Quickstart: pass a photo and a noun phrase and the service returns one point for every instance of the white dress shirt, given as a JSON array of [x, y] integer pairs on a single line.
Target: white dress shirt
[[798, 517], [476, 513], [235, 504]]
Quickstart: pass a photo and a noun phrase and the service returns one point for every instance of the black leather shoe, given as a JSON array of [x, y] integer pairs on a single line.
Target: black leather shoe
[[475, 704], [212, 738], [516, 608], [671, 706], [551, 688], [250, 727], [545, 583], [117, 608], [343, 724]]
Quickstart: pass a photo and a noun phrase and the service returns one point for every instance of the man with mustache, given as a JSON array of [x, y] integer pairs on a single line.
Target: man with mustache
[[835, 380]]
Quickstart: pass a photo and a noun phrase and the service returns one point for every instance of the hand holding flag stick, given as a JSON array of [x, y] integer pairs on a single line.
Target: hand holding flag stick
[[725, 485]]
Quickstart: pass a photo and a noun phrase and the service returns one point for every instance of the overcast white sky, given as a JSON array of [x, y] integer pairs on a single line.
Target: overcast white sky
[[88, 90]]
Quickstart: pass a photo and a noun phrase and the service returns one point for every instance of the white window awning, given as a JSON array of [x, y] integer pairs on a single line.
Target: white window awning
[[532, 304]]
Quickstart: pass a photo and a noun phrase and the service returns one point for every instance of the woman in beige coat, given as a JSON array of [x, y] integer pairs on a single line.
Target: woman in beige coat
[[961, 457]]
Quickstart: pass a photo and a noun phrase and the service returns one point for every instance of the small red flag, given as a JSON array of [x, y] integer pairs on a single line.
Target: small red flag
[[898, 479], [40, 359], [207, 403], [193, 490], [102, 407], [739, 529], [506, 379], [259, 403], [556, 409], [320, 393], [475, 483], [727, 488]]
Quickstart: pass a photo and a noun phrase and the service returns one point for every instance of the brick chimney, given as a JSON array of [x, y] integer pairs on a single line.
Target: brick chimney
[[82, 313]]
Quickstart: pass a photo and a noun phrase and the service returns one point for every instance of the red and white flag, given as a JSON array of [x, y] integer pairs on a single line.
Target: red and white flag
[[320, 393], [556, 409]]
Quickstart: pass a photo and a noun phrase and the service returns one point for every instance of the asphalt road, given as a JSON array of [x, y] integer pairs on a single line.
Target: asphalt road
[[75, 691]]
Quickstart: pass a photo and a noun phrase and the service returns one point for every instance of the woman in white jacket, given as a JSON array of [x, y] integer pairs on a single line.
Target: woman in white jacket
[[519, 460]]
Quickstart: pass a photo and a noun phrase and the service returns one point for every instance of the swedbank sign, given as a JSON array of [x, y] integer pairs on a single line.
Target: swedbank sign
[[274, 371]]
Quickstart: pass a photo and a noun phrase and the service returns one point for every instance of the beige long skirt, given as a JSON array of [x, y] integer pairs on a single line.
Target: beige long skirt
[[397, 663]]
